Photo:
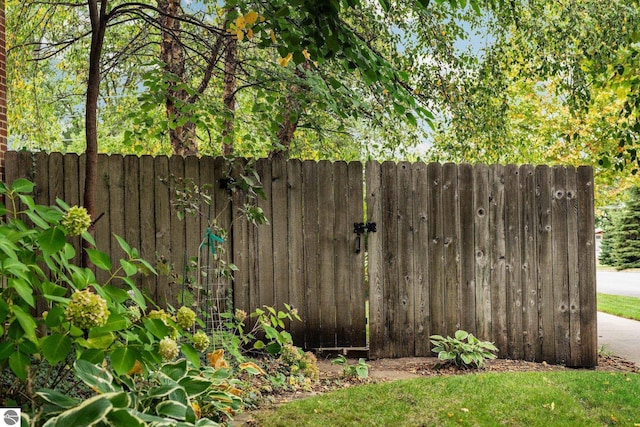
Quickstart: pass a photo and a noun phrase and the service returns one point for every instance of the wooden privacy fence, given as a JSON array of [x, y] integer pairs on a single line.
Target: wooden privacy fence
[[504, 252]]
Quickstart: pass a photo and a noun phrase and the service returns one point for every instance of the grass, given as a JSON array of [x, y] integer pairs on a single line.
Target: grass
[[628, 307], [574, 398]]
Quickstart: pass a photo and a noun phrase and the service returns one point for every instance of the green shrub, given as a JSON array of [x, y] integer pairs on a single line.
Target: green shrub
[[464, 350], [94, 337]]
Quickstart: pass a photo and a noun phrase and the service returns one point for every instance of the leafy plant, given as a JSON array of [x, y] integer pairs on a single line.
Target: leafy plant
[[267, 330], [177, 393], [464, 350], [80, 317], [359, 370], [116, 345]]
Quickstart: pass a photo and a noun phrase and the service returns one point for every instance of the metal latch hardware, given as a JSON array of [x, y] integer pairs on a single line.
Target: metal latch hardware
[[361, 228]]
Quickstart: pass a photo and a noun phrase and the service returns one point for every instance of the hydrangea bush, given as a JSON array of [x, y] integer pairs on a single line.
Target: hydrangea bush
[[92, 337]]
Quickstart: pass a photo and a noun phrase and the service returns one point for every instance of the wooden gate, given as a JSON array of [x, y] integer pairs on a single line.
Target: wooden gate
[[307, 256], [504, 252]]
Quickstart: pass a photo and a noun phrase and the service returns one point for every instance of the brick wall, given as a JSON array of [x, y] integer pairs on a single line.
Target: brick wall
[[3, 91]]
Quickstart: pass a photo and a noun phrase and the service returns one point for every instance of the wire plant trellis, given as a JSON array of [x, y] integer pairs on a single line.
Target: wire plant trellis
[[212, 296]]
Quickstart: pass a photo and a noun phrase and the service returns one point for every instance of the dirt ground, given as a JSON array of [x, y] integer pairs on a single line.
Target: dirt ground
[[415, 367]]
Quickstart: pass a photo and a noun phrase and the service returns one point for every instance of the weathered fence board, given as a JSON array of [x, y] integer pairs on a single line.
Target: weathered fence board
[[505, 252], [586, 270], [529, 274], [375, 243], [420, 249]]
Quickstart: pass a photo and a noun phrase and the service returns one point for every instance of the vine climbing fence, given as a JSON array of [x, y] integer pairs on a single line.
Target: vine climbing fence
[[505, 252]]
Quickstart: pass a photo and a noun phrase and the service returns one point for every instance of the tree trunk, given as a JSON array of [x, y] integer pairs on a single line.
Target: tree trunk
[[183, 137], [98, 28], [229, 95], [291, 115]]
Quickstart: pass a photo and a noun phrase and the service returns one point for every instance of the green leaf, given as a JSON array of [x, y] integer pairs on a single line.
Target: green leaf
[[191, 354], [50, 288], [22, 185], [56, 348], [119, 295], [461, 335], [88, 413], [125, 417], [24, 290], [116, 322], [58, 399], [123, 359], [100, 342], [6, 349], [94, 376], [162, 390], [18, 362], [52, 240], [156, 327], [137, 297], [124, 245], [9, 249], [194, 386], [93, 355], [27, 323], [128, 268], [175, 370], [175, 410], [99, 259], [466, 359]]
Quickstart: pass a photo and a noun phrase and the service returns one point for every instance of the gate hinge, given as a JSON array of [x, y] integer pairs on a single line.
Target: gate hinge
[[361, 227]]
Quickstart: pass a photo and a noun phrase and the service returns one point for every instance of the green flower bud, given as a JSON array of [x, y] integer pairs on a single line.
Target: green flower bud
[[240, 315], [185, 317], [76, 221], [87, 310], [168, 349], [200, 341], [133, 313]]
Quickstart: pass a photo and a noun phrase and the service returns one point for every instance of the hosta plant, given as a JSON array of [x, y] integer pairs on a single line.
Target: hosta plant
[[463, 350], [176, 394]]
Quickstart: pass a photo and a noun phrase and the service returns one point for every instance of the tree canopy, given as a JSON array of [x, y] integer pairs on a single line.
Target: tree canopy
[[478, 81]]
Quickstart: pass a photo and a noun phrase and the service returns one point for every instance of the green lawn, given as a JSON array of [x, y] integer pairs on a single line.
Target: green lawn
[[574, 398], [628, 307]]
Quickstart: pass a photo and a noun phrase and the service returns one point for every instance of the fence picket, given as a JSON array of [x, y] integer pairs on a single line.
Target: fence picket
[[404, 328], [513, 254], [529, 276], [420, 261], [451, 248], [482, 251], [546, 332], [435, 254], [375, 243], [467, 249], [587, 270]]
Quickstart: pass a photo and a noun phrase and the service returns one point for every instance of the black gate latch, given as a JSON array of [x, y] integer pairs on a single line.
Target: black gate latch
[[361, 228]]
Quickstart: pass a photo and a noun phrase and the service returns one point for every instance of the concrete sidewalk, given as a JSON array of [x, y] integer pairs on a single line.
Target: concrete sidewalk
[[620, 336]]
